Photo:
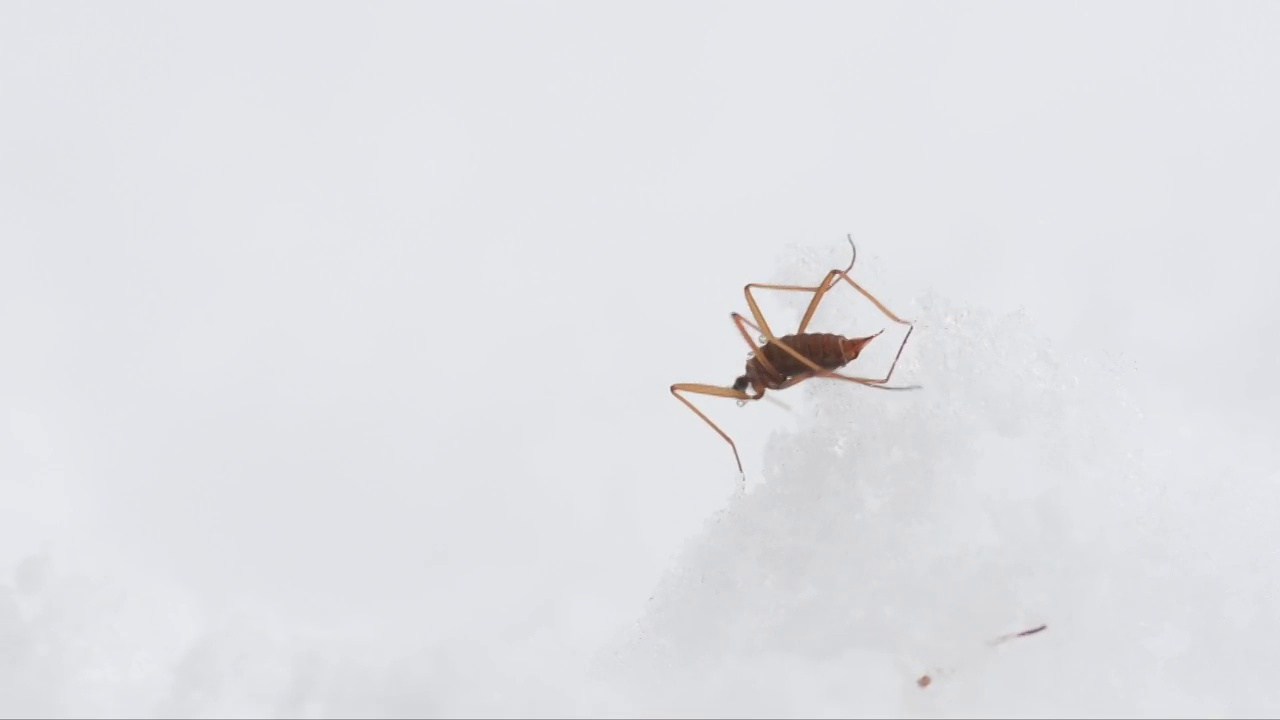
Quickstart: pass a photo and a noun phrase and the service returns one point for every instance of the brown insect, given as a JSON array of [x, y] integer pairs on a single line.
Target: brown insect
[[782, 362]]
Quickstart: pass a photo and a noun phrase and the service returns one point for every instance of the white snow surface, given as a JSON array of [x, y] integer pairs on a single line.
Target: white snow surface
[[891, 535], [335, 345], [899, 533]]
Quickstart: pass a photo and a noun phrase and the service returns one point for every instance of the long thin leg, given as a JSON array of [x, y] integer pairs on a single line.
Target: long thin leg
[[794, 380], [819, 292], [829, 283], [717, 391], [832, 277], [755, 349], [759, 316]]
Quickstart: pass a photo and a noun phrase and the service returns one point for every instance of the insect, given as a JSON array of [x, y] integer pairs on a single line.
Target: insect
[[782, 362]]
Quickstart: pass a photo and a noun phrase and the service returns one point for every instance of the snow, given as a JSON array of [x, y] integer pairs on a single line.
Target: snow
[[335, 348], [1017, 489]]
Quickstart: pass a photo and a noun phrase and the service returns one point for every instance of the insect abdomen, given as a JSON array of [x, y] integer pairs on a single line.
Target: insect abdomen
[[823, 349]]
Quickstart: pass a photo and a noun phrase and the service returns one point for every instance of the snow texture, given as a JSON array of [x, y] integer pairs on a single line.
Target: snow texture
[[335, 343], [898, 533], [893, 535]]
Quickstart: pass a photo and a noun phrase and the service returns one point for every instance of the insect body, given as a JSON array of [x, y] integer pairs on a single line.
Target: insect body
[[772, 367], [782, 362]]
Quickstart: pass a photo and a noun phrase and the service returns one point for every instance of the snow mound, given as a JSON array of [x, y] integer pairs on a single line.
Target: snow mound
[[896, 533]]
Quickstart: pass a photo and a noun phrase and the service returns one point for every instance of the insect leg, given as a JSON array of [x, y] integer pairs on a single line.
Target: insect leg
[[832, 279], [845, 276], [764, 329], [717, 391], [739, 320], [818, 291], [829, 283]]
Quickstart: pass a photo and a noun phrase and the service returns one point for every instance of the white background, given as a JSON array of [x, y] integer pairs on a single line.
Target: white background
[[341, 334]]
